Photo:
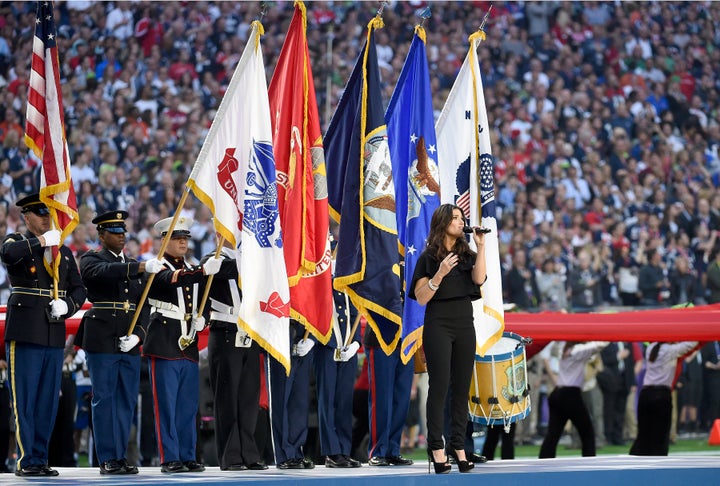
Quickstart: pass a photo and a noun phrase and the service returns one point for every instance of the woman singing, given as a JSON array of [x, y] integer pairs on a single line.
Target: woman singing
[[447, 278]]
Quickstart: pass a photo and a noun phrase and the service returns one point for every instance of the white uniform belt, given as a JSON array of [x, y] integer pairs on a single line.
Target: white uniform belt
[[223, 312], [168, 310], [221, 316]]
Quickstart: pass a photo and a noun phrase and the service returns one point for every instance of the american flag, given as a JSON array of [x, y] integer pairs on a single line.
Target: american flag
[[45, 127]]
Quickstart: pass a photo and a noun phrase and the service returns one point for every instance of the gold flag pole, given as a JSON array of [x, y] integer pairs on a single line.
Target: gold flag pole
[[209, 282], [163, 246]]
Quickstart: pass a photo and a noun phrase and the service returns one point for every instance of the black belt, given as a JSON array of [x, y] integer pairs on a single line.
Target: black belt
[[222, 326], [38, 292], [123, 306]]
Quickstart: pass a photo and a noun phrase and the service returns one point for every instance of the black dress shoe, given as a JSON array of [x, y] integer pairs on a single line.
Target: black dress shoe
[[111, 467], [234, 467], [399, 461], [378, 461], [48, 471], [127, 467], [337, 461], [173, 467], [478, 459], [353, 462], [291, 464], [193, 466], [257, 466], [307, 463], [30, 471]]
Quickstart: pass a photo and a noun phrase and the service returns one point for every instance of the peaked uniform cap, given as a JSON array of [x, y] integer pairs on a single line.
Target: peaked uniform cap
[[182, 227], [32, 203], [112, 221]]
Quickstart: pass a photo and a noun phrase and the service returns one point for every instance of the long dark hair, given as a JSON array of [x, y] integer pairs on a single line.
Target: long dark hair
[[439, 222], [654, 352]]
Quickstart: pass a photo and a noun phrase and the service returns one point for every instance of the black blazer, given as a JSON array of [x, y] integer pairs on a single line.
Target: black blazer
[[27, 318], [110, 280]]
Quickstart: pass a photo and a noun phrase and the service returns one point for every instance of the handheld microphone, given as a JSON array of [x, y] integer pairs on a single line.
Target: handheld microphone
[[468, 230]]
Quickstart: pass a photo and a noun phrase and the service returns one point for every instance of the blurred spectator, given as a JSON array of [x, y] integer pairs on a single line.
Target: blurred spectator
[[520, 285], [653, 282], [584, 284]]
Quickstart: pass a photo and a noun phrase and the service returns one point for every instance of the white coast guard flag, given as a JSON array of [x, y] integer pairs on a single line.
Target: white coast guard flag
[[235, 177], [466, 171]]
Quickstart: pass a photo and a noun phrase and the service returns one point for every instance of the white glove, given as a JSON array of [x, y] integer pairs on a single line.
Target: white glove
[[198, 323], [304, 346], [52, 238], [128, 342], [58, 308], [212, 266], [349, 351], [153, 266]]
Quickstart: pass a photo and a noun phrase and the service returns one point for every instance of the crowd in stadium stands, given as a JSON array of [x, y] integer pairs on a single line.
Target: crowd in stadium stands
[[604, 118]]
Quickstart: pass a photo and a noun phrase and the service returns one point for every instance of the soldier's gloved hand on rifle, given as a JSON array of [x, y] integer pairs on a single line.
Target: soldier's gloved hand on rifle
[[304, 346], [212, 266], [349, 351], [128, 342], [58, 308], [198, 323]]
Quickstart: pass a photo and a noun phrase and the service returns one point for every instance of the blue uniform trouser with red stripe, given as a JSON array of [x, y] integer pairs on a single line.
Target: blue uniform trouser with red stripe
[[34, 373], [176, 389], [389, 401], [115, 385]]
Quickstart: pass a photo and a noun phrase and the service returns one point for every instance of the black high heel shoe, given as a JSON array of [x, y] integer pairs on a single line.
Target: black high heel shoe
[[440, 467], [463, 466]]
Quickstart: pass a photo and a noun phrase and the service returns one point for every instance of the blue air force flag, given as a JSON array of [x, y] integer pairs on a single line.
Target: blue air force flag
[[413, 151]]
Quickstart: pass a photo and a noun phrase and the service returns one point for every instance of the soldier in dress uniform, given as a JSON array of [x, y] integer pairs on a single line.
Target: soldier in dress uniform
[[115, 283], [234, 360], [290, 402], [172, 348], [388, 402], [335, 370], [35, 331]]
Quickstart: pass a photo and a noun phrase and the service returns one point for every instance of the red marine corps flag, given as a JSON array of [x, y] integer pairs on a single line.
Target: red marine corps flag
[[302, 182], [45, 130]]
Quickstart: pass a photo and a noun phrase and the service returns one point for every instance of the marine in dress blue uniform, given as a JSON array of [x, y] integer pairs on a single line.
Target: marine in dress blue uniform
[[234, 361], [172, 349], [335, 371], [35, 331], [290, 401], [115, 283]]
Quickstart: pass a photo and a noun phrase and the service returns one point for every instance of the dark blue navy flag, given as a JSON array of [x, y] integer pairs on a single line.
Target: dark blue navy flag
[[362, 199], [413, 151]]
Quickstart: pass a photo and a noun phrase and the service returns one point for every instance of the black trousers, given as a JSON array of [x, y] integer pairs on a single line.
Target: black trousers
[[235, 381], [654, 418], [614, 402], [449, 346], [494, 433], [566, 403]]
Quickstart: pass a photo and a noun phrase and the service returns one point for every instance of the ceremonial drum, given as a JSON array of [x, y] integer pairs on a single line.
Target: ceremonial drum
[[499, 393]]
